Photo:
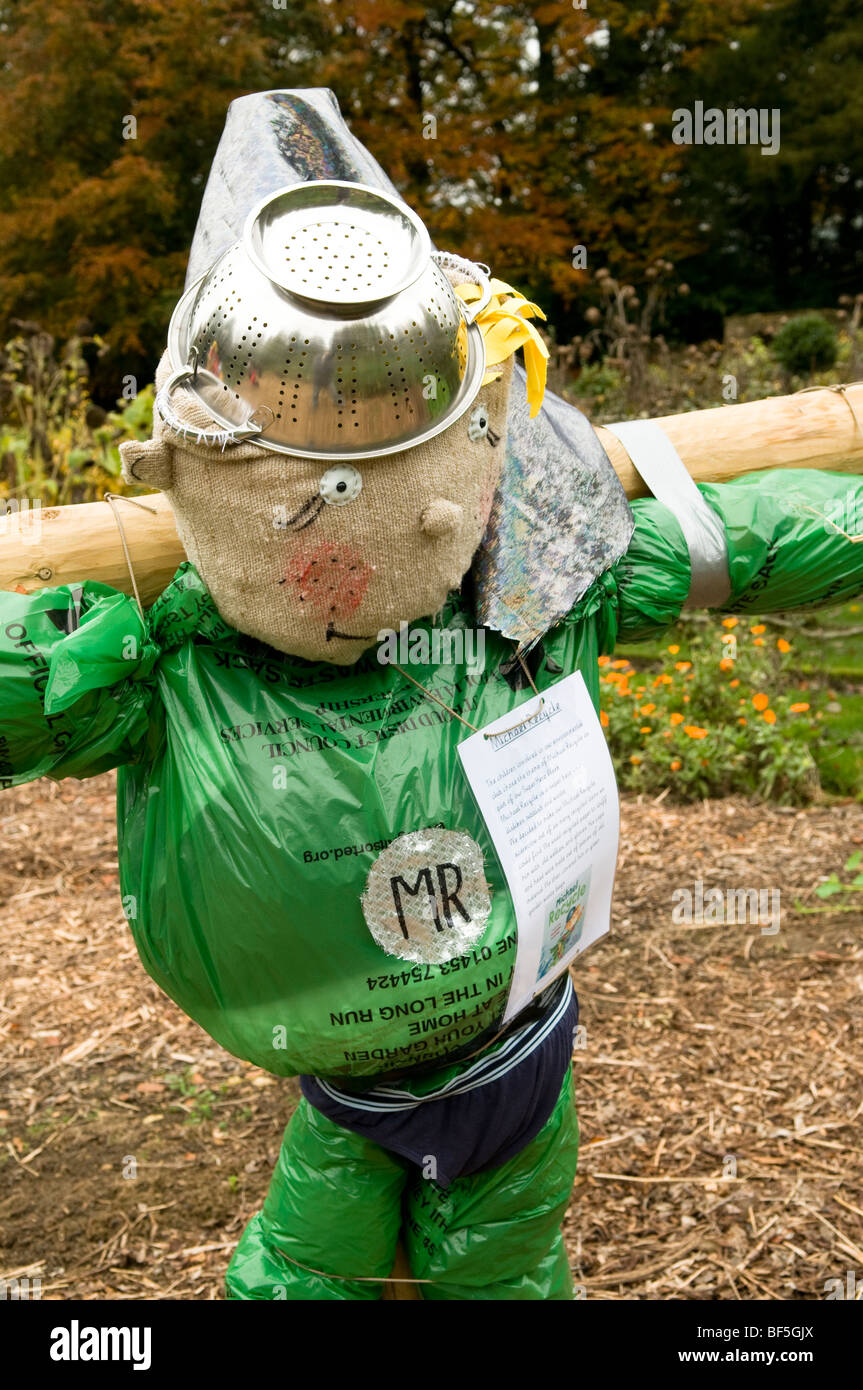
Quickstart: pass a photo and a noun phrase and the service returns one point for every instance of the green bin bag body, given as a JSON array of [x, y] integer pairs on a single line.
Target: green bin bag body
[[256, 789]]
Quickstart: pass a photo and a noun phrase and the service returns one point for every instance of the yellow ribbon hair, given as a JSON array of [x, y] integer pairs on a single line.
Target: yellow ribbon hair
[[505, 326]]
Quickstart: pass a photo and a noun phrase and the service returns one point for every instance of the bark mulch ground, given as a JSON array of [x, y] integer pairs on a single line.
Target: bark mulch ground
[[719, 1072]]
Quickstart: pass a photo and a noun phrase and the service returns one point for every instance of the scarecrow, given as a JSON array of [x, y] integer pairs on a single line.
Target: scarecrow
[[353, 459]]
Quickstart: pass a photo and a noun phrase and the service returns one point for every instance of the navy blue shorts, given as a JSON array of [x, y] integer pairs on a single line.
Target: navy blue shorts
[[479, 1120]]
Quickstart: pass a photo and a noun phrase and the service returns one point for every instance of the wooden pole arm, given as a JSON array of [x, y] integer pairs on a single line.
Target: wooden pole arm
[[55, 545], [812, 429]]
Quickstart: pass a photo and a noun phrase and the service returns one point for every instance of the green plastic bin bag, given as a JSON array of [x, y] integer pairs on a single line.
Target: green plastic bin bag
[[256, 790], [74, 636], [788, 533]]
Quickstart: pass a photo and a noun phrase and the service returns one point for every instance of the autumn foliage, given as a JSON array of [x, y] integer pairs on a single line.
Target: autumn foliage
[[519, 131]]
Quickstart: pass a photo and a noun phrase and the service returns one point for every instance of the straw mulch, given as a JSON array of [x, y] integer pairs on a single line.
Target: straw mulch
[[719, 1082]]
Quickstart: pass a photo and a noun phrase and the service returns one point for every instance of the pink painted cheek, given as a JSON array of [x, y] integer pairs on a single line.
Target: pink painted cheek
[[486, 498], [330, 580]]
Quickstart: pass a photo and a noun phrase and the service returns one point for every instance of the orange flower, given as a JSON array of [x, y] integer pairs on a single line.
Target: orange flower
[[759, 642], [760, 701], [639, 690], [645, 729], [758, 629], [741, 720], [648, 709], [769, 716], [603, 661], [676, 765], [635, 758], [676, 718], [662, 680], [686, 699], [620, 665], [694, 731], [783, 645], [729, 622], [800, 708], [603, 718], [734, 684], [682, 665], [726, 664], [673, 649], [666, 733]]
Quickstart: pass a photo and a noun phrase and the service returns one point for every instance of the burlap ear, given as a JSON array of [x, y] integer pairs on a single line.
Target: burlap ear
[[149, 462], [152, 461]]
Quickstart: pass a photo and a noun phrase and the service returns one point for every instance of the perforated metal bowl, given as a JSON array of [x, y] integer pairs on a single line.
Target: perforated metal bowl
[[329, 331]]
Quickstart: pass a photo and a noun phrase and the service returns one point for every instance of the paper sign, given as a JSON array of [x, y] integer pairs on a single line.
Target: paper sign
[[544, 783]]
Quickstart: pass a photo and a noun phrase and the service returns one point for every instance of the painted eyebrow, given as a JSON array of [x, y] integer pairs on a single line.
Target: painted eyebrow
[[312, 506]]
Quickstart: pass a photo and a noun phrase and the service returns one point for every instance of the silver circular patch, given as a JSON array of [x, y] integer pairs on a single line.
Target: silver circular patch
[[340, 485], [426, 898]]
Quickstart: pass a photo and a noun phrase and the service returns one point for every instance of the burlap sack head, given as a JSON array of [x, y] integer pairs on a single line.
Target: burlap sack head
[[295, 554]]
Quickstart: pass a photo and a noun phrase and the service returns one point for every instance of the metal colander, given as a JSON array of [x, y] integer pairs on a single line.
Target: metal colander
[[330, 330]]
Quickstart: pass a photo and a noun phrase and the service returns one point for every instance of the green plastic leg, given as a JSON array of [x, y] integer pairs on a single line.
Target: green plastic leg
[[335, 1208], [496, 1235], [334, 1205]]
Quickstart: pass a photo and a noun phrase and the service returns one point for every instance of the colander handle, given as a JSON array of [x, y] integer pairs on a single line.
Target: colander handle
[[221, 435], [472, 271]]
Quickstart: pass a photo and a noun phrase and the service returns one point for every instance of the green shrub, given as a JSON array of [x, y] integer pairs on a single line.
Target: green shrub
[[807, 344], [55, 443], [597, 380]]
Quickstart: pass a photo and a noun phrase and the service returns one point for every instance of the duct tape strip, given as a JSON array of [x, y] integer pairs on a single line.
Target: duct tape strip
[[664, 472]]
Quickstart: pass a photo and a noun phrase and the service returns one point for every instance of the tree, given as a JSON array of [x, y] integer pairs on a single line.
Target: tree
[[522, 132], [108, 121], [783, 230]]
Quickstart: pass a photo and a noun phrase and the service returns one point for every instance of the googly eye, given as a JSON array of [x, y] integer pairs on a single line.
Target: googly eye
[[477, 427], [340, 485]]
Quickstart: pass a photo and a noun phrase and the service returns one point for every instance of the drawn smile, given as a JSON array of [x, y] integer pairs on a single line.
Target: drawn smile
[[348, 636]]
